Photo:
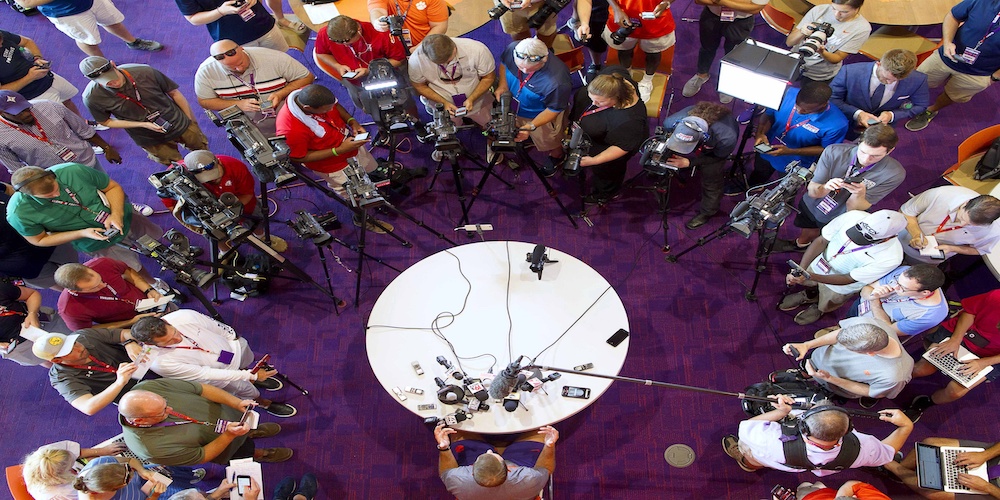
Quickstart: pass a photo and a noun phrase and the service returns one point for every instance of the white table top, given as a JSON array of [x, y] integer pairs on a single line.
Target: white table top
[[993, 258], [571, 297]]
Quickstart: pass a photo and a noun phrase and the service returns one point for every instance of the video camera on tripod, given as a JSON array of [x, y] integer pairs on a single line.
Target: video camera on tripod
[[175, 258], [577, 146], [385, 97], [770, 207], [220, 218], [443, 129], [361, 191], [268, 158], [655, 153], [309, 227], [503, 124]]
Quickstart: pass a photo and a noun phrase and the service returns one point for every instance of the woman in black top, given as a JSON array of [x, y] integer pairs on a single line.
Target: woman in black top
[[614, 119]]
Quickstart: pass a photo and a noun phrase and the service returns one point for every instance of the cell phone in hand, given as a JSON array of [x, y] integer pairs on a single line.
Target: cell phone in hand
[[461, 111], [873, 121], [242, 483], [762, 148], [647, 15], [361, 137], [350, 74], [111, 232]]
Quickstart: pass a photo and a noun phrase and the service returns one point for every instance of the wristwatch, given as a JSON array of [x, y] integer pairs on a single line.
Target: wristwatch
[[446, 447], [146, 291], [994, 78]]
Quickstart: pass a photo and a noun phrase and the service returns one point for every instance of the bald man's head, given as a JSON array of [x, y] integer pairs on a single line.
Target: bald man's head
[[230, 55], [143, 407]]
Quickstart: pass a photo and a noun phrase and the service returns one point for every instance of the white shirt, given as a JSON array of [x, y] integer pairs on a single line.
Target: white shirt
[[196, 358], [865, 265], [874, 82], [931, 207], [59, 491], [763, 438], [474, 62]]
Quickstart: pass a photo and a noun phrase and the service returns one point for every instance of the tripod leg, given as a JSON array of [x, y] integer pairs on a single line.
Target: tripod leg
[[456, 172], [437, 171], [326, 269], [482, 181], [478, 161], [361, 256], [198, 294], [418, 222], [545, 182], [367, 255], [663, 197], [285, 378], [718, 233], [765, 242], [292, 268]]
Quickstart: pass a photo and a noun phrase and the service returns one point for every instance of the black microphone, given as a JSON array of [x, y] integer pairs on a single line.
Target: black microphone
[[537, 258], [574, 140], [505, 382], [475, 387], [449, 394], [512, 400]]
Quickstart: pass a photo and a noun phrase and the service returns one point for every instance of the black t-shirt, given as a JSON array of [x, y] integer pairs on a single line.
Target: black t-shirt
[[231, 27], [18, 258], [14, 65], [12, 312], [626, 128]]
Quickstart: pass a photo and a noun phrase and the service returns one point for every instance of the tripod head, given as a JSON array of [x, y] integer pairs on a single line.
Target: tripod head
[[268, 158], [770, 207]]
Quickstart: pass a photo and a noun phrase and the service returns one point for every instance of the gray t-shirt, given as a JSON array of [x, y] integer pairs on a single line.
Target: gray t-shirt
[[152, 87], [885, 377], [105, 346], [847, 37], [838, 161], [522, 483]]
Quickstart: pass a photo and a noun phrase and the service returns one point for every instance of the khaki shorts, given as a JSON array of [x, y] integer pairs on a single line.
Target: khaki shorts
[[959, 87], [82, 27], [649, 46], [829, 300], [516, 21], [548, 137], [192, 138], [60, 91], [271, 40], [337, 179]]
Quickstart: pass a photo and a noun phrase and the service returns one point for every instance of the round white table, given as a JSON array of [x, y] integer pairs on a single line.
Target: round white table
[[572, 307]]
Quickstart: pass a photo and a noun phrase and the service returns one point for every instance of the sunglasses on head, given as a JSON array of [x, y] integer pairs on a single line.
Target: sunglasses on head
[[99, 71], [201, 167], [528, 57], [346, 40], [229, 53]]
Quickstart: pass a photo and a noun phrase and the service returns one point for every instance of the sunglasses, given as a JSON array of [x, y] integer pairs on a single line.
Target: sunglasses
[[229, 53], [99, 71], [529, 57], [346, 40], [201, 168]]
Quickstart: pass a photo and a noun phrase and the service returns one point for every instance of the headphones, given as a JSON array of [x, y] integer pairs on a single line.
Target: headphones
[[804, 427], [24, 183]]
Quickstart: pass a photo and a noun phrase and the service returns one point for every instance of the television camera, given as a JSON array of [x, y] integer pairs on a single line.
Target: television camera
[[385, 96], [770, 207], [219, 217], [176, 258], [503, 124], [268, 158]]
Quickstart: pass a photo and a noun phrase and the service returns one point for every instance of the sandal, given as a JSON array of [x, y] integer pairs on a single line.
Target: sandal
[[295, 26]]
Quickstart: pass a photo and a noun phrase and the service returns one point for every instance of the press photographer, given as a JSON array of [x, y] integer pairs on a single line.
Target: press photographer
[[612, 117], [646, 23], [428, 18], [703, 136], [826, 35], [321, 135], [515, 19]]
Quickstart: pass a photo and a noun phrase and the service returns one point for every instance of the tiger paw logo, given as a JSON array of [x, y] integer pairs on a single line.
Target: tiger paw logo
[[55, 341]]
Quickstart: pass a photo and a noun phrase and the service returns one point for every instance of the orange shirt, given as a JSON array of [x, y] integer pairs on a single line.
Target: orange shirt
[[419, 15]]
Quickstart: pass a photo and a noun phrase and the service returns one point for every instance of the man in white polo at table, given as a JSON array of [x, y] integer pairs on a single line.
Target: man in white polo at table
[[960, 220]]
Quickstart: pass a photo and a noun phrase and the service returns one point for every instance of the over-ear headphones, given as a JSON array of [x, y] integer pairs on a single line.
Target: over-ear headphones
[[804, 427], [24, 183]]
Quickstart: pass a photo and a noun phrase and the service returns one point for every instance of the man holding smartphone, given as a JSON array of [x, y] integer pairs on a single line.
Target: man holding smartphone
[[847, 177], [456, 72], [144, 102], [960, 220], [103, 291]]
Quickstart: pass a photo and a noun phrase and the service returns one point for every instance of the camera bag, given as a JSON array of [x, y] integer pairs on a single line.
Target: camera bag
[[989, 165]]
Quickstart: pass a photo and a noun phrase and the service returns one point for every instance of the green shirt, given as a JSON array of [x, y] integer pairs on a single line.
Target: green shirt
[[32, 216], [181, 444]]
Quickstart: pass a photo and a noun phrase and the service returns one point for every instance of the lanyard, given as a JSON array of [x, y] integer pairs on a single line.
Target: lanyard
[[138, 98], [994, 26], [357, 56], [186, 420], [454, 69], [9, 312], [42, 137], [114, 296], [101, 366], [76, 201], [591, 110], [193, 347], [841, 251], [862, 170], [940, 228], [789, 127], [251, 84], [521, 83]]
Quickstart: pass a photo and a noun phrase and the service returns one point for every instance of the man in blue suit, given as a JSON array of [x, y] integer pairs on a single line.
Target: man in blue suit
[[884, 91]]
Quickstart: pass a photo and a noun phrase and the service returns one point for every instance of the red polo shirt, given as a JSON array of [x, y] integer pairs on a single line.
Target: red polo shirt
[[986, 308], [235, 179], [301, 139], [372, 45], [114, 302]]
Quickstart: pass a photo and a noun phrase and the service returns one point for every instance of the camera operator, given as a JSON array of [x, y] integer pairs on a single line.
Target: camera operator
[[612, 116], [255, 79], [646, 23], [853, 250], [850, 30], [420, 18], [729, 20], [847, 177], [456, 72], [541, 86], [320, 134], [223, 174], [799, 129], [346, 47], [709, 151]]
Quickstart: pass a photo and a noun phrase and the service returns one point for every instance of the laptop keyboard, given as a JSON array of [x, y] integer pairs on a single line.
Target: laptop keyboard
[[949, 364], [952, 470]]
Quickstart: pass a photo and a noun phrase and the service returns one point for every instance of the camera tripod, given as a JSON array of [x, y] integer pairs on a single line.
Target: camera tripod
[[767, 233], [525, 159], [453, 154], [661, 189], [737, 171]]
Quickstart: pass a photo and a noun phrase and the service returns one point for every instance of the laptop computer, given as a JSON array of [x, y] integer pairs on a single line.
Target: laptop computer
[[948, 364], [936, 469]]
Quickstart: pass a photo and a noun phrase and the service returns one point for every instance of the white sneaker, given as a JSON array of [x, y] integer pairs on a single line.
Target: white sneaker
[[97, 150], [645, 89], [693, 86], [143, 209], [572, 24], [725, 98], [437, 155]]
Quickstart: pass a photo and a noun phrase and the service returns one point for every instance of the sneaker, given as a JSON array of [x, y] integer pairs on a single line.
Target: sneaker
[[375, 228], [645, 89], [272, 455], [730, 444], [143, 209], [307, 486], [795, 300], [549, 169], [602, 199], [592, 71], [725, 98], [269, 384], [921, 121], [867, 402], [437, 155], [285, 489], [147, 45], [97, 150], [782, 246], [97, 126], [917, 407], [808, 316], [283, 410], [824, 331], [785, 376], [693, 86], [423, 136], [264, 430], [572, 24], [697, 221]]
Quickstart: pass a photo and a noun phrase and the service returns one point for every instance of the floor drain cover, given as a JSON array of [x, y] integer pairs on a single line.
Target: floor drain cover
[[679, 455]]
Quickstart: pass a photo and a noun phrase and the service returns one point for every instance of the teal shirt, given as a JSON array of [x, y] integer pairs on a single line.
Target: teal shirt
[[32, 216]]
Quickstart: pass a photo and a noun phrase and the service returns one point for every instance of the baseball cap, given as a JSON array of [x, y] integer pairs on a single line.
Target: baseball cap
[[877, 226], [687, 134], [12, 102], [98, 69], [53, 345], [203, 164]]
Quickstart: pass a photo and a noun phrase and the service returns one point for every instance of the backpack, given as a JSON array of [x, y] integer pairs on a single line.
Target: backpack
[[254, 279], [989, 165]]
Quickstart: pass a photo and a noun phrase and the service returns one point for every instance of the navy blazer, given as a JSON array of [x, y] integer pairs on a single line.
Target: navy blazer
[[850, 93]]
